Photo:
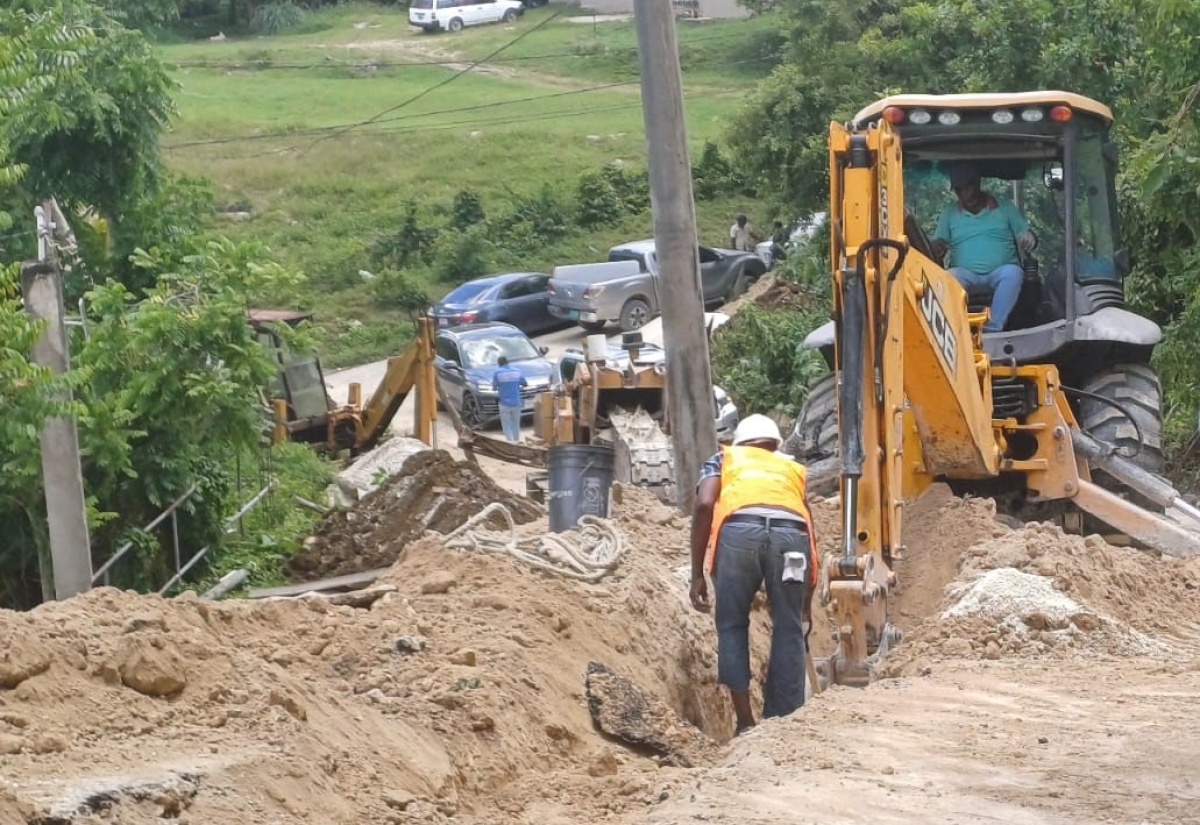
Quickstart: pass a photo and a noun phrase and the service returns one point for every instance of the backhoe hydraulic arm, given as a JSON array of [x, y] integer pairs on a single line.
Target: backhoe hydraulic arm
[[915, 404]]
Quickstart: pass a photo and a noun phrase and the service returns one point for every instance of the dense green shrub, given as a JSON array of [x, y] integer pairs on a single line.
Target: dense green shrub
[[277, 17], [597, 202]]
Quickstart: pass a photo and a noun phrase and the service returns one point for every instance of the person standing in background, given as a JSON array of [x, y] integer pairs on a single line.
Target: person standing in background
[[509, 382]]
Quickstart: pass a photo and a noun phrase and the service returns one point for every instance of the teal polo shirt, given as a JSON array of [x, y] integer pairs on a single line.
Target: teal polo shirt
[[984, 241]]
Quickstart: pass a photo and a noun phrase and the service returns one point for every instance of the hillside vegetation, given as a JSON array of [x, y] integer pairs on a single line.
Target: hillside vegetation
[[322, 144]]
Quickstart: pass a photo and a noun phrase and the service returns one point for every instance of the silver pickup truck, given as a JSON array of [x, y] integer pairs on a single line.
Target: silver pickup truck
[[594, 294], [626, 289]]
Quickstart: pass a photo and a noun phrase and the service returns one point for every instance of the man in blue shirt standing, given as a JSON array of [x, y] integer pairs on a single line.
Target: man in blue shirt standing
[[982, 233], [509, 381]]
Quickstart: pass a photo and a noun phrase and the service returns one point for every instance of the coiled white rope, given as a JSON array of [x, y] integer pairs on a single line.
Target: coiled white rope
[[588, 554]]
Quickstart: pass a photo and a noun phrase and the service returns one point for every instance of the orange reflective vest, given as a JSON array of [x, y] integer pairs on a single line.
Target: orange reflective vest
[[754, 477]]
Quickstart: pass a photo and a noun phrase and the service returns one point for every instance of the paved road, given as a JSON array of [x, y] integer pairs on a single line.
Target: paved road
[[369, 375], [556, 343], [509, 476]]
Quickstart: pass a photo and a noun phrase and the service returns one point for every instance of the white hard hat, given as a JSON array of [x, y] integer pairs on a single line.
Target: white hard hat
[[756, 428]]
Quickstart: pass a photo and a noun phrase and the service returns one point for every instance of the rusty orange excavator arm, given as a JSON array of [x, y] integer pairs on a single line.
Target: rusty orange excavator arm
[[410, 372]]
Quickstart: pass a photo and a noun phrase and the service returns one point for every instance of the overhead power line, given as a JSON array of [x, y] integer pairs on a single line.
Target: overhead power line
[[414, 98], [323, 130], [320, 130], [332, 63]]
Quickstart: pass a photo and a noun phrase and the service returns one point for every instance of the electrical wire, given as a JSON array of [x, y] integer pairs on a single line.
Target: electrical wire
[[1119, 408], [217, 141], [324, 132], [326, 64], [318, 130], [429, 89], [481, 123]]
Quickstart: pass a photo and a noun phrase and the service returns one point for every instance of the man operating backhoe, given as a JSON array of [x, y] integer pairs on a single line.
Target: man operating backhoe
[[751, 525], [982, 234]]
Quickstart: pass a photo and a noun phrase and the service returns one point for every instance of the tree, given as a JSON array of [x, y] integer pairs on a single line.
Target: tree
[[168, 388], [83, 101], [1140, 58], [168, 379]]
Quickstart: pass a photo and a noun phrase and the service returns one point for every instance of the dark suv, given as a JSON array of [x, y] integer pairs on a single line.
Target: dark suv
[[466, 358]]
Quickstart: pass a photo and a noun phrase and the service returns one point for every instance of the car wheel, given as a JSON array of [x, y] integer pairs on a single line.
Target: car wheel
[[739, 287], [472, 412], [455, 24], [593, 327], [634, 315], [509, 16]]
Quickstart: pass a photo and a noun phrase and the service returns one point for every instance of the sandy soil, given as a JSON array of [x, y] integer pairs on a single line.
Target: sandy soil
[[1043, 679]]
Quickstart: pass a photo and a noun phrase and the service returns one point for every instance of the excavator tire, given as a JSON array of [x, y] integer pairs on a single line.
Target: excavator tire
[[1136, 388], [815, 436]]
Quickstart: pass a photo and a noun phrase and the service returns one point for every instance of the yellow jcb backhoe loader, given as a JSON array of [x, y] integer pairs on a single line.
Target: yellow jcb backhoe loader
[[919, 393], [303, 411]]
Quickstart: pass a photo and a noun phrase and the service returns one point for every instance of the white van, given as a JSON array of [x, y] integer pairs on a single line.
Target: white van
[[452, 15]]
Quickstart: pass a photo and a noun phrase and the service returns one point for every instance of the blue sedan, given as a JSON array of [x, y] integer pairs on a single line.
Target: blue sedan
[[517, 298]]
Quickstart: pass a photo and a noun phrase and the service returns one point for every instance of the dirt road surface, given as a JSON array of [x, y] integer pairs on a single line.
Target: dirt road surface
[[1043, 680], [1074, 743]]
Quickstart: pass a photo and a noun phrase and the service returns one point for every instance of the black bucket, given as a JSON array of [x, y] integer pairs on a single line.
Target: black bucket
[[579, 482]]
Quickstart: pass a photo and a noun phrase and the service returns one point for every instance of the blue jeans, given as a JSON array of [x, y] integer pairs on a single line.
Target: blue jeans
[[510, 420], [1005, 284], [747, 555]]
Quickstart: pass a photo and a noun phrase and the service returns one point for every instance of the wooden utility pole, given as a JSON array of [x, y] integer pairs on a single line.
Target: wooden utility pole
[[689, 376], [66, 510]]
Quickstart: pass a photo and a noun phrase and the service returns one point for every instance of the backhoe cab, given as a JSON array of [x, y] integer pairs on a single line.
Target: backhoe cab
[[1046, 415], [1051, 155], [300, 406]]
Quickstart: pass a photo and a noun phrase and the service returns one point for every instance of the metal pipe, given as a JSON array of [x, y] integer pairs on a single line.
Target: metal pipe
[[103, 571], [1069, 187], [202, 552], [852, 358], [1149, 485], [1187, 509], [849, 520]]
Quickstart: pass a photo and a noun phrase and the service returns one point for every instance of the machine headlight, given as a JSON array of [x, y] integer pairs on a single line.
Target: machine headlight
[[919, 117], [1032, 115], [949, 118]]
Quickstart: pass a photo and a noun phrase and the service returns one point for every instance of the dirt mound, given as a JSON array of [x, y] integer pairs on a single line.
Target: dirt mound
[[459, 694], [970, 586], [432, 491], [1036, 591], [12, 810]]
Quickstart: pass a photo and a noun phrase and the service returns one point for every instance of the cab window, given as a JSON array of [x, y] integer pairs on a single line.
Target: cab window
[[446, 349], [516, 289]]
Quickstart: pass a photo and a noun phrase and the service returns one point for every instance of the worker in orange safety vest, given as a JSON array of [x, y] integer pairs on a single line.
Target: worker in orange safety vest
[[751, 526]]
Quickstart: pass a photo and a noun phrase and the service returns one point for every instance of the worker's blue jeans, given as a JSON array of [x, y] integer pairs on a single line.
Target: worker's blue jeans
[[747, 555], [1005, 284], [510, 421]]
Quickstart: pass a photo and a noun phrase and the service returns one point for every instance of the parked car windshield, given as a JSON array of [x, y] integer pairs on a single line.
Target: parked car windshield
[[485, 352], [468, 291], [421, 4]]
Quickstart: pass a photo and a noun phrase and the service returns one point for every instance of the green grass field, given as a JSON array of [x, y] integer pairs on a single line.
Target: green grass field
[[323, 136]]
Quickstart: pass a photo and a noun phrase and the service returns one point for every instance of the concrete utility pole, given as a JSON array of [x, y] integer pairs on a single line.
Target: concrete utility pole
[[689, 378], [70, 545]]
